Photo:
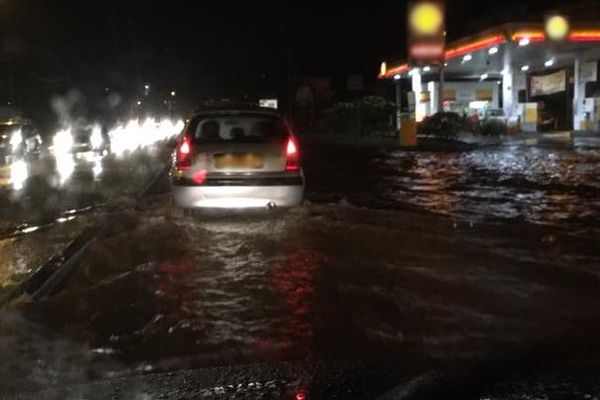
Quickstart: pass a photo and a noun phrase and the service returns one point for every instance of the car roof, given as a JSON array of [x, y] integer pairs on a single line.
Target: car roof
[[236, 109]]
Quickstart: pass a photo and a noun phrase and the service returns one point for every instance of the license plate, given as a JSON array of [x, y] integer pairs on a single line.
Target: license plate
[[233, 160]]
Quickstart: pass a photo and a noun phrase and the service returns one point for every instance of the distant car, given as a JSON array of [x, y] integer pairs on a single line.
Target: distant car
[[90, 139], [494, 114], [18, 138], [237, 158]]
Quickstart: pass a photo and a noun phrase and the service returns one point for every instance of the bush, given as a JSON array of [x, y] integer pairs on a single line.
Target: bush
[[365, 116], [375, 113], [341, 118], [444, 125], [493, 127]]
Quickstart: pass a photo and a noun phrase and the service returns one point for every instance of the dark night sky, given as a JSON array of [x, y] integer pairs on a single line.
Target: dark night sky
[[205, 48]]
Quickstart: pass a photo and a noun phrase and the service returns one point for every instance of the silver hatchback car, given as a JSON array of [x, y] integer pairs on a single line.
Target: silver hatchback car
[[237, 158]]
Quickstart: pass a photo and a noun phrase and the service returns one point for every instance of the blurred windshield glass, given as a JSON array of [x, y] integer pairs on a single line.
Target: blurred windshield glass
[[238, 128]]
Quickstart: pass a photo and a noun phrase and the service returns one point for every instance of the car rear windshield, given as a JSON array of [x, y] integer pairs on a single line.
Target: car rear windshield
[[238, 128]]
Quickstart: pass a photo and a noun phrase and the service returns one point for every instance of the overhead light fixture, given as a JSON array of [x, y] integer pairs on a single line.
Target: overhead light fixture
[[427, 68], [549, 62], [493, 50], [483, 77], [525, 68], [397, 77], [524, 41], [413, 71], [467, 57], [445, 64]]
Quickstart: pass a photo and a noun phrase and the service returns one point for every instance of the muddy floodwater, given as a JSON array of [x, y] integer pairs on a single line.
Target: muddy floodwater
[[556, 184], [432, 258]]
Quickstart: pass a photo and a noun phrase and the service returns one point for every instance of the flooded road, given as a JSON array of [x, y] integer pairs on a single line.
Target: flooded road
[[165, 291], [48, 206], [355, 274], [556, 185]]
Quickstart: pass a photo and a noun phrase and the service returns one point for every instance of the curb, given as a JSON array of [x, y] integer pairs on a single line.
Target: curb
[[48, 279]]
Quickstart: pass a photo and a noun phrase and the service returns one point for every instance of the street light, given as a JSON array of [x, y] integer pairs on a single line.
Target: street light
[[173, 93], [139, 103], [147, 87]]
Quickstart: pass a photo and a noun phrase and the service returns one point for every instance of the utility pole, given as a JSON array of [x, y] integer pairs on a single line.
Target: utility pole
[[398, 103], [441, 90]]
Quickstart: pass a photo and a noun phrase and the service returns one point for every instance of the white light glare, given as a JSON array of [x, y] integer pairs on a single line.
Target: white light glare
[[16, 139], [96, 137], [524, 41], [467, 57], [483, 77], [397, 77], [493, 50], [18, 174], [525, 68], [136, 135], [427, 68], [63, 146], [63, 141], [549, 62]]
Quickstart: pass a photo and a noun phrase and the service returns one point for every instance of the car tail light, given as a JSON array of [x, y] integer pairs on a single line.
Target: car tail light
[[183, 160], [292, 155]]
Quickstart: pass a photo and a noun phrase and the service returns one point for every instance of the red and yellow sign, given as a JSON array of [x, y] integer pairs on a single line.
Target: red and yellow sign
[[557, 27], [426, 18], [426, 36]]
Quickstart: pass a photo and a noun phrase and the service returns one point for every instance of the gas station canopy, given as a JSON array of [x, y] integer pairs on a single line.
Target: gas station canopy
[[485, 52], [527, 60]]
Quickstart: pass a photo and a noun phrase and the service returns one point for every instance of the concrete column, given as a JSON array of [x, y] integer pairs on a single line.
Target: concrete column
[[440, 99], [434, 93], [417, 88], [398, 102], [508, 99], [578, 94]]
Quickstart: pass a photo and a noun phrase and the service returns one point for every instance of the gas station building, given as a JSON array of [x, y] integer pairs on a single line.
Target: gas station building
[[516, 70]]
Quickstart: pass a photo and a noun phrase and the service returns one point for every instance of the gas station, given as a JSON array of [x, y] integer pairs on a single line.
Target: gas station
[[533, 76]]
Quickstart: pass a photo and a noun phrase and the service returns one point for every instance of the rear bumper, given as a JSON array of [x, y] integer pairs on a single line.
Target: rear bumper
[[226, 192]]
